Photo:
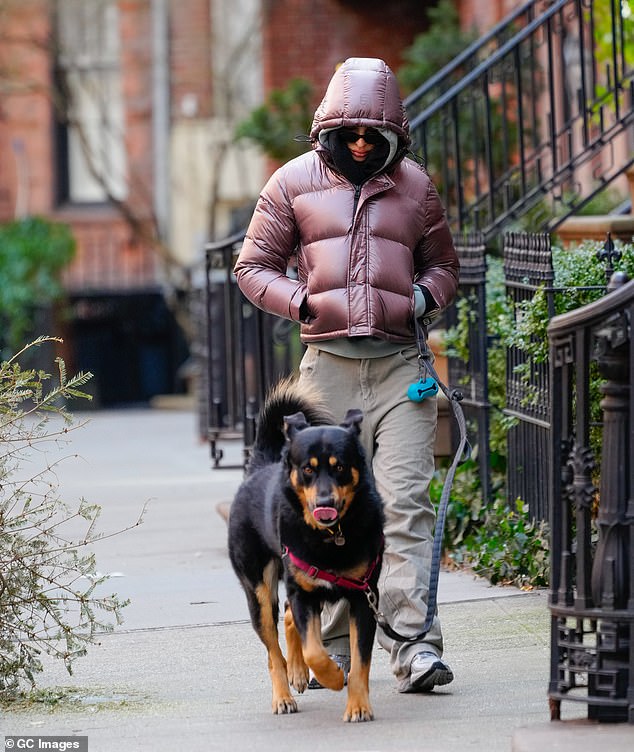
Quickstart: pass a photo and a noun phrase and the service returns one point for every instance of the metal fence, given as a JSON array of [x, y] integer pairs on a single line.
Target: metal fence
[[592, 511], [528, 267], [245, 352], [471, 375]]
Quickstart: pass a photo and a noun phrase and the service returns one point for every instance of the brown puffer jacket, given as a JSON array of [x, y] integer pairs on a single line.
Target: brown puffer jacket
[[359, 250]]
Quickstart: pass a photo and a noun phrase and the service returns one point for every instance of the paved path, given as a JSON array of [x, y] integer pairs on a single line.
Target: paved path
[[186, 672]]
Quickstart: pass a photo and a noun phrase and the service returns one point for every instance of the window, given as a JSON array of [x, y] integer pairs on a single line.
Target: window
[[92, 162]]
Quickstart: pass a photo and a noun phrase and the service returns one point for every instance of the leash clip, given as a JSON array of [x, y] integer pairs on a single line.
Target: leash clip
[[374, 604]]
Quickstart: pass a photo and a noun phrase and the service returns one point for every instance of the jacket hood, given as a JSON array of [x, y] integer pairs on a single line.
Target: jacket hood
[[362, 92]]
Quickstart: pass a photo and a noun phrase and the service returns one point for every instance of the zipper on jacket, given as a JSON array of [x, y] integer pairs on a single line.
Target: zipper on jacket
[[357, 194]]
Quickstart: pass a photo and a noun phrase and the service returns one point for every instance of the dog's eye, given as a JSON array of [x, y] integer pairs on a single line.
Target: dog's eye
[[308, 470], [339, 468]]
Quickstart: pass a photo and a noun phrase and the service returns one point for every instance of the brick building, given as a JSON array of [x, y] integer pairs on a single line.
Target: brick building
[[117, 117]]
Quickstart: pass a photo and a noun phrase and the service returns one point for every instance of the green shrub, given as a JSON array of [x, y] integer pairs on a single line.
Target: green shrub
[[433, 49], [508, 547], [579, 278], [33, 252], [275, 125], [496, 540]]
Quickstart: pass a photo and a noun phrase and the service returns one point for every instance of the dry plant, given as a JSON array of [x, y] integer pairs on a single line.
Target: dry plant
[[48, 578]]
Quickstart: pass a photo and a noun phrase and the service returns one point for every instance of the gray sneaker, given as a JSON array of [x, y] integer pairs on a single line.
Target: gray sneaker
[[427, 671], [343, 661]]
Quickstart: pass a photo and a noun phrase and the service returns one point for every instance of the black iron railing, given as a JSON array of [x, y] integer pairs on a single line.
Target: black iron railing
[[528, 120], [470, 58], [592, 511], [246, 351], [528, 267], [471, 375]]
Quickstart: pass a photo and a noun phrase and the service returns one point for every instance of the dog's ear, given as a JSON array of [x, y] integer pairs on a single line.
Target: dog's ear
[[352, 421], [293, 424]]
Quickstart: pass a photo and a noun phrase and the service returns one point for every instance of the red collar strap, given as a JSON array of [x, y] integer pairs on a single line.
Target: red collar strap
[[323, 574]]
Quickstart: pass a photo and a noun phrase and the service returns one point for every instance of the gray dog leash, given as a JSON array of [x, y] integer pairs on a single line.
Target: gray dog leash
[[462, 452]]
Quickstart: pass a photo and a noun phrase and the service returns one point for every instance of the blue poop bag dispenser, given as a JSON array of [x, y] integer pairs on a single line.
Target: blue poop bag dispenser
[[422, 388]]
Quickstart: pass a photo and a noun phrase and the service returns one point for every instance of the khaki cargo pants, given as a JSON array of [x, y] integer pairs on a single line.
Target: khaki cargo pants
[[398, 437]]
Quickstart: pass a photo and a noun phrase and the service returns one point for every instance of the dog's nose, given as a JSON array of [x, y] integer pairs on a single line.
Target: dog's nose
[[324, 499]]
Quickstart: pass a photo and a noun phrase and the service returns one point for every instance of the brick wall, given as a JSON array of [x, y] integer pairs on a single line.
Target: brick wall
[[113, 254], [25, 110], [300, 38], [27, 146], [483, 15], [308, 39], [135, 28], [190, 58]]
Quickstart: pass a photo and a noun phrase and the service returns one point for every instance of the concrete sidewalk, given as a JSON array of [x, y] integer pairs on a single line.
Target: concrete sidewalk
[[186, 671]]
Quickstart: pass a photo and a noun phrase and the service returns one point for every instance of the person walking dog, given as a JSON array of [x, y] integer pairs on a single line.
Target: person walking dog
[[374, 253]]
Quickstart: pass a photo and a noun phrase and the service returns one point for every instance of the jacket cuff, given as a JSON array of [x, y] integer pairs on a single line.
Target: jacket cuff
[[423, 301], [295, 303]]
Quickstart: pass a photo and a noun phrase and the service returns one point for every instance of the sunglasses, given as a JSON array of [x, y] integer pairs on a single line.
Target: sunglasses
[[371, 136]]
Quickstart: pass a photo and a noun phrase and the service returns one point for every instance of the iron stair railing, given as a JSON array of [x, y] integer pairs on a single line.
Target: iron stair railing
[[533, 122], [477, 52]]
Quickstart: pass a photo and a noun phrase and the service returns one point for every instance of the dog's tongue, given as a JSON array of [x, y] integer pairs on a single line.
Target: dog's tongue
[[325, 514]]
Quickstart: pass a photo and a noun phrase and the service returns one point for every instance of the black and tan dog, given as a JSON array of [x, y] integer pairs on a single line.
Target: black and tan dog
[[308, 511]]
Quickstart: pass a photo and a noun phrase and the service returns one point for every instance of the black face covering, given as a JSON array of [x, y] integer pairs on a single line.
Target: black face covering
[[357, 172]]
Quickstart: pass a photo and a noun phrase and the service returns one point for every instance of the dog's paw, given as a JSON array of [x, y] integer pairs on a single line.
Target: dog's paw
[[298, 677], [356, 713], [339, 680], [283, 705], [330, 676]]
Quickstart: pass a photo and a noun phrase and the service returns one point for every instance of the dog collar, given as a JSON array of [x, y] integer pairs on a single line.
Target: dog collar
[[323, 574]]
